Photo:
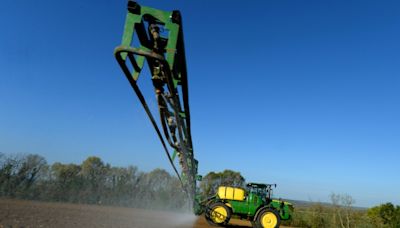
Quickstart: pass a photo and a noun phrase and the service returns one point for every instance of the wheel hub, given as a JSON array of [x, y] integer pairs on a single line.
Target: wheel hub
[[269, 220]]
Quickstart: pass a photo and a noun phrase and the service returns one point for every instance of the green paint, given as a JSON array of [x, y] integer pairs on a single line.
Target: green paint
[[174, 155]]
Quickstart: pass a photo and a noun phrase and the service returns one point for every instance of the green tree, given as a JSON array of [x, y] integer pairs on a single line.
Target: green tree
[[67, 182], [9, 166], [18, 173], [385, 215], [122, 185], [212, 180], [31, 166], [94, 172]]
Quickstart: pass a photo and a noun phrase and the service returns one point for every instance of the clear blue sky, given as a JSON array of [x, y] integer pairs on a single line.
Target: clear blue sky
[[304, 94]]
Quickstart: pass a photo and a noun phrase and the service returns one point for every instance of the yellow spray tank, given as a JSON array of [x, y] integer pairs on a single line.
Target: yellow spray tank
[[231, 193]]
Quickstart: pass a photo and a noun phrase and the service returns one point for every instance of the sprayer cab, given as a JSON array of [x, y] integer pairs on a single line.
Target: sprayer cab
[[265, 191]]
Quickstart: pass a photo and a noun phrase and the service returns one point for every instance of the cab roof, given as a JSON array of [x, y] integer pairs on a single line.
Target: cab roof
[[259, 185]]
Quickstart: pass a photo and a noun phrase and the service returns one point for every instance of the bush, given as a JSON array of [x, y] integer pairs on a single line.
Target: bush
[[385, 215]]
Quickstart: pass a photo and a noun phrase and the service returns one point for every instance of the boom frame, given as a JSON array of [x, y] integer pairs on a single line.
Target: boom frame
[[160, 36]]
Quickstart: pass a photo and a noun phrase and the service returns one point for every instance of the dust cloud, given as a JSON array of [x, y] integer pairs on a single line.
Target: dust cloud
[[181, 220]]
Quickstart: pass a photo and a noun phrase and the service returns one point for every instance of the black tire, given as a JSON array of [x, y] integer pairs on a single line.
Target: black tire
[[218, 214], [267, 218]]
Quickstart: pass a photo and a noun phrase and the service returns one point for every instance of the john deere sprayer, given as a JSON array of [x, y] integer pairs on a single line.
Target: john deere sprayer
[[154, 38], [254, 203]]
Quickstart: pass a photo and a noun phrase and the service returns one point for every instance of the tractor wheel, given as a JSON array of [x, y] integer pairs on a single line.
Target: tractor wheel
[[268, 218], [218, 214]]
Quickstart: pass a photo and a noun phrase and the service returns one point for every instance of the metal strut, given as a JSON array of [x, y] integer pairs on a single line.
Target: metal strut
[[161, 45]]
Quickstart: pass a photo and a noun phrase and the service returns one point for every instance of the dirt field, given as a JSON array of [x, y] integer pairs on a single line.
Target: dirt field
[[18, 213]]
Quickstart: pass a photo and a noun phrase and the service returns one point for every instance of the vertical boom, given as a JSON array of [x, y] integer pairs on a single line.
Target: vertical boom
[[160, 37]]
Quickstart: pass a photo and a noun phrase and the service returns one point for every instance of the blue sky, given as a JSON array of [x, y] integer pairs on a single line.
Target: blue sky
[[304, 94]]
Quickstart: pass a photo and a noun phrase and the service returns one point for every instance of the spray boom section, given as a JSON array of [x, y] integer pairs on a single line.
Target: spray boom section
[[159, 36]]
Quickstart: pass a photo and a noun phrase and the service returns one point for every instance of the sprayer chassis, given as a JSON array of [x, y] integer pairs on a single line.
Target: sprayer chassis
[[257, 207]]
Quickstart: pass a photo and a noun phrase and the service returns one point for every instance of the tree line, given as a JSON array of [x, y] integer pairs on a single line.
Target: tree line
[[341, 214], [91, 182], [95, 182]]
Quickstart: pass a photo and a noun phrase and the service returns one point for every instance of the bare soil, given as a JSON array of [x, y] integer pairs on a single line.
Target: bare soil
[[20, 213]]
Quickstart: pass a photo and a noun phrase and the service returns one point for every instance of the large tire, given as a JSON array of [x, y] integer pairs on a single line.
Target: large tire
[[218, 214], [267, 218]]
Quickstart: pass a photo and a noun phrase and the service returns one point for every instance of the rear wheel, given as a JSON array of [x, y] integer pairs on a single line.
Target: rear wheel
[[218, 214], [268, 218]]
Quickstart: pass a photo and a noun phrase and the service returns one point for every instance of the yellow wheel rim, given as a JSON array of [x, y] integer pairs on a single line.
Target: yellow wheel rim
[[269, 219], [218, 214]]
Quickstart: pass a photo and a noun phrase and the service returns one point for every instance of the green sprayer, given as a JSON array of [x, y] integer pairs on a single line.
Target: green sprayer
[[155, 37]]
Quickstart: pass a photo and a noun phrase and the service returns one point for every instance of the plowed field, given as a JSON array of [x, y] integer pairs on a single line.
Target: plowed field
[[19, 213]]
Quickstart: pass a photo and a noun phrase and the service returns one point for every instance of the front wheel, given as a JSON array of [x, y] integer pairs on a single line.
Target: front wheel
[[267, 218], [218, 214]]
